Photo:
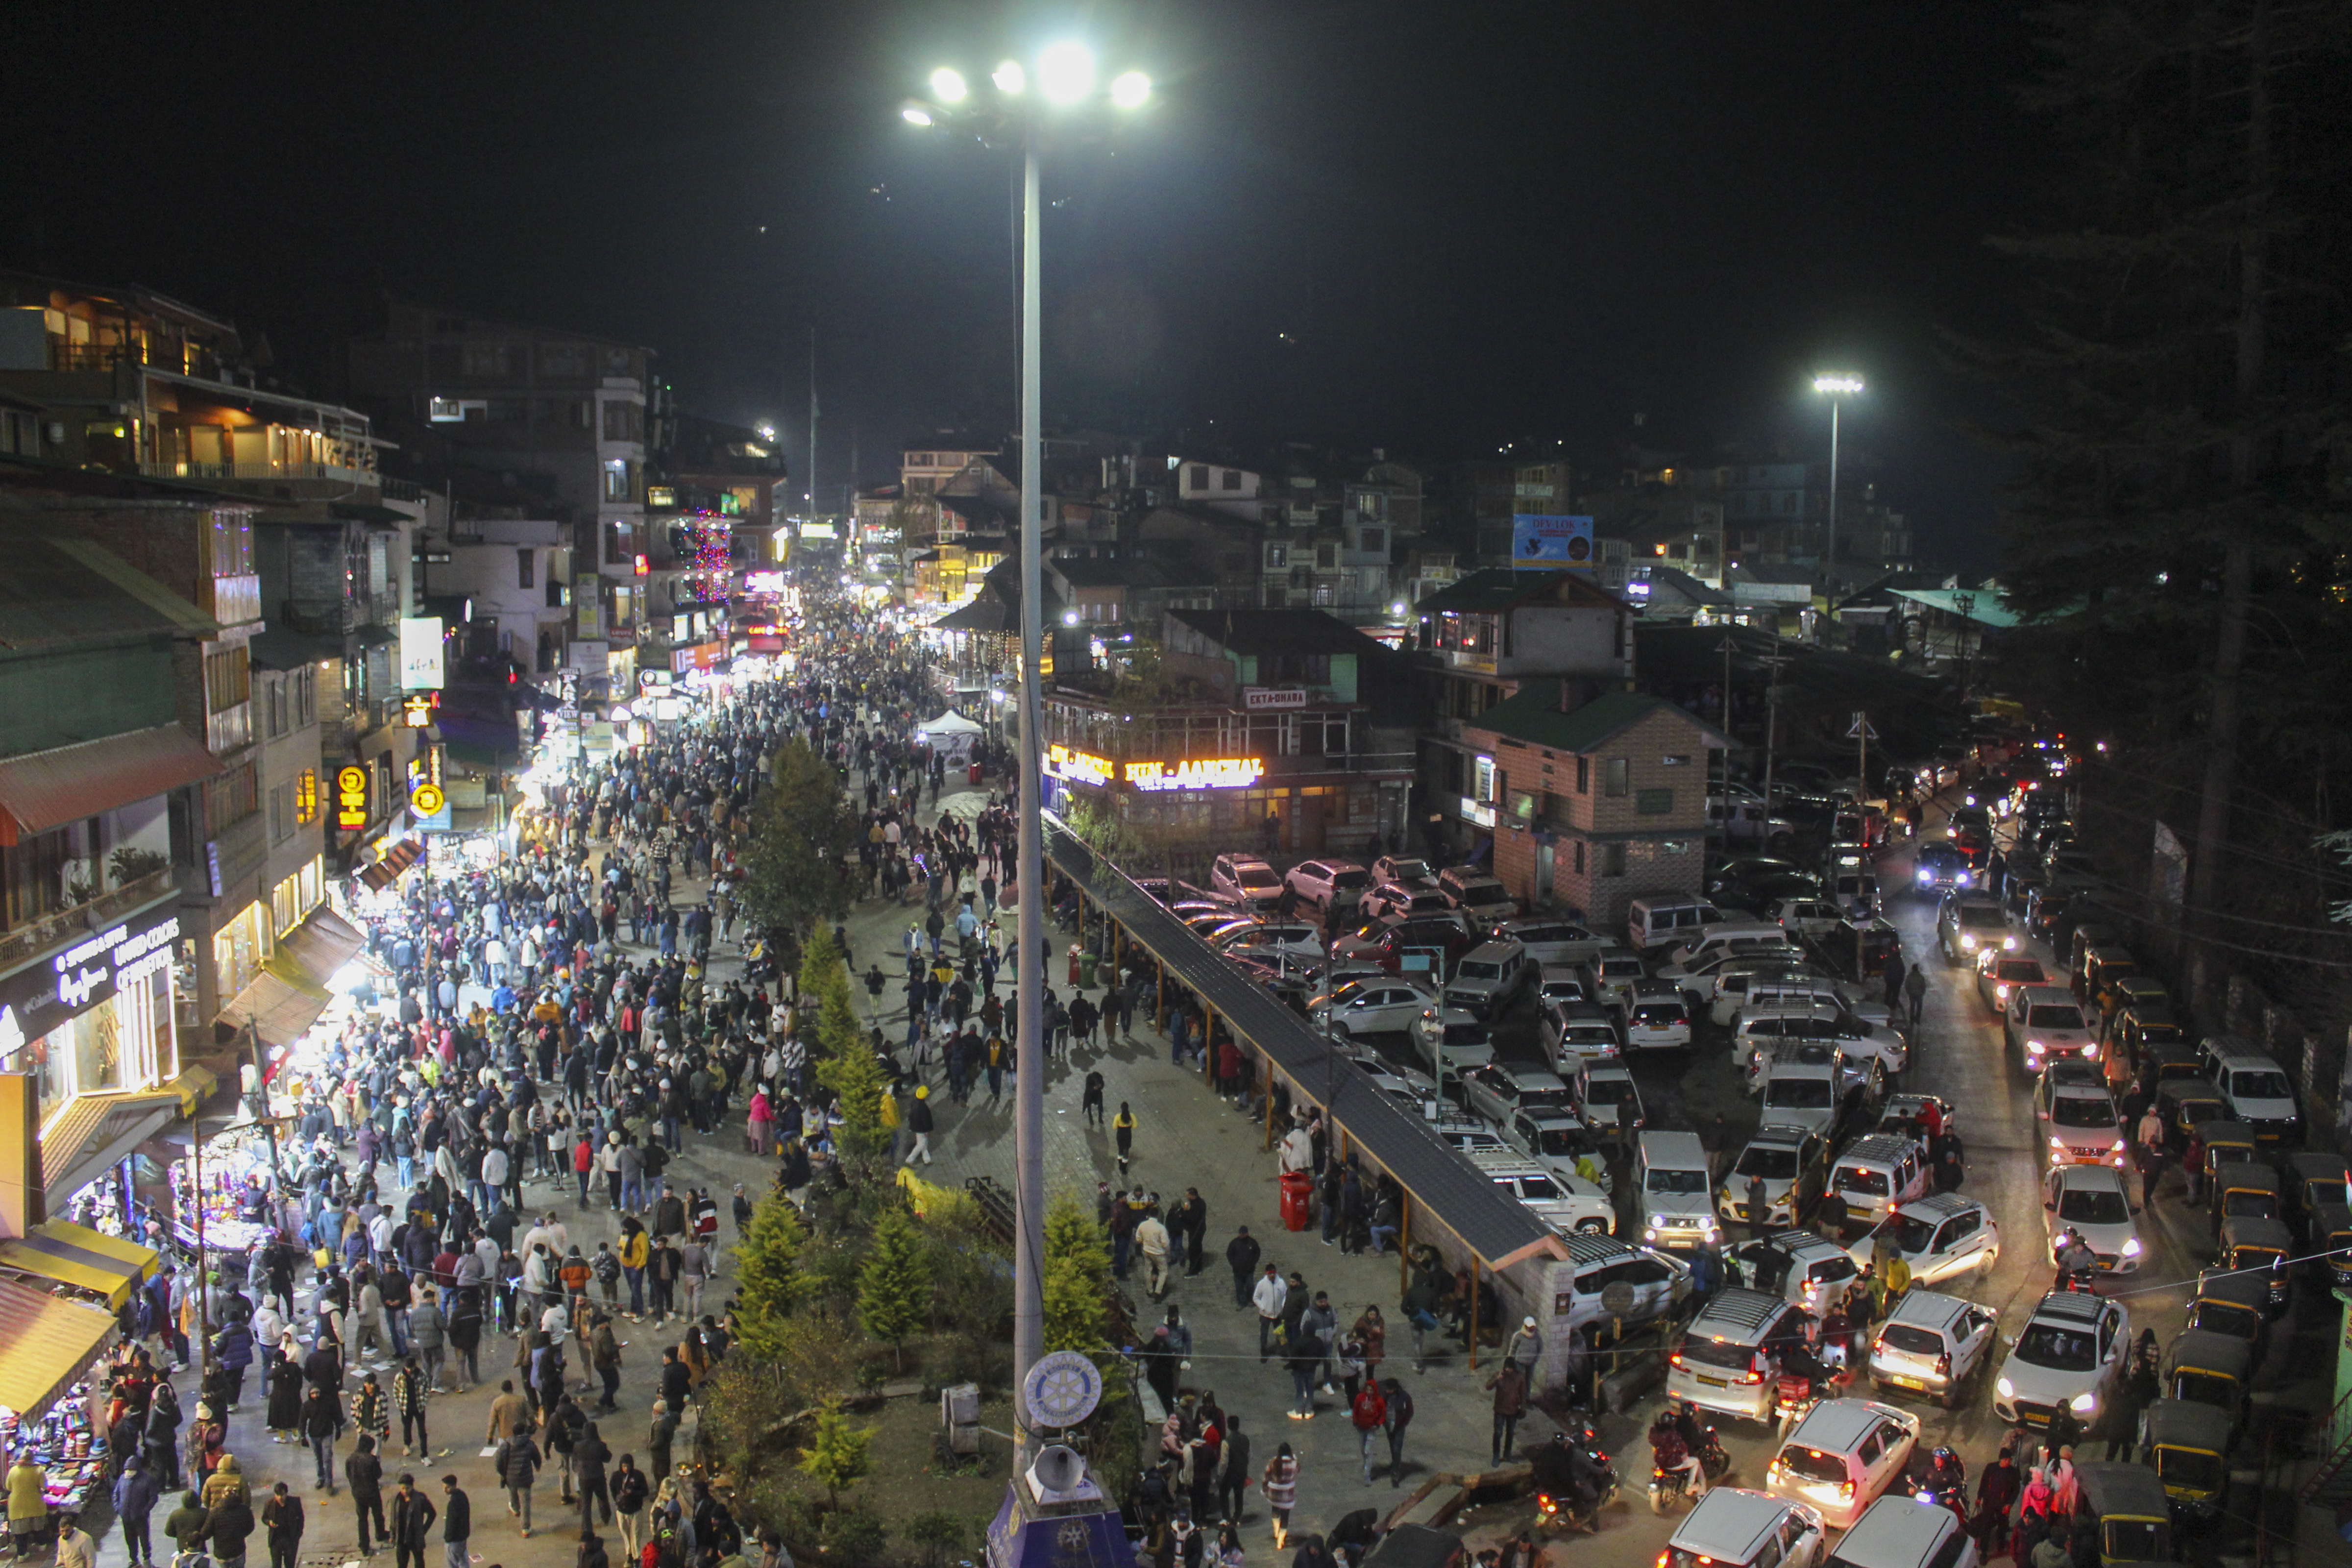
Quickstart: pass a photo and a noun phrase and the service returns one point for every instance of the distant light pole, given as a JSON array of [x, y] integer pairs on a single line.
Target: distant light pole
[[1836, 386], [1066, 82]]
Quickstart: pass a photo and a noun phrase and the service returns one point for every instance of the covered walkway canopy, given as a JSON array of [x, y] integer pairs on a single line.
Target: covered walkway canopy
[[47, 1343], [95, 1132], [1495, 1226]]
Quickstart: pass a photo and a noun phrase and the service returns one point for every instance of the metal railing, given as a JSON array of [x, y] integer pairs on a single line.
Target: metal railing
[[79, 920], [335, 472]]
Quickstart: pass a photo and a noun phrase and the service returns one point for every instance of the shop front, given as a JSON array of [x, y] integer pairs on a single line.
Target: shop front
[[1224, 804], [293, 985]]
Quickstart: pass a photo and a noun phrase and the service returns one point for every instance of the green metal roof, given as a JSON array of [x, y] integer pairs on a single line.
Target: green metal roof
[[1985, 606], [1534, 716]]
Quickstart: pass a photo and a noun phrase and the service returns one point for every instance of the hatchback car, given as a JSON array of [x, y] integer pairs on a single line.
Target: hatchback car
[[2090, 1201], [2077, 1121], [1408, 1087], [1606, 1097], [1612, 974], [1795, 1264], [2069, 1352], [1497, 1091], [1940, 1236], [1967, 927], [1842, 1456], [1809, 918], [1732, 1527], [1369, 1007], [1561, 983], [1577, 1032], [1550, 941], [2044, 1023], [1243, 938], [1408, 870], [1464, 1042], [1939, 868], [1320, 884], [1932, 1343], [1246, 881], [1396, 901], [1556, 1138], [2000, 973], [1793, 1163], [1439, 939]]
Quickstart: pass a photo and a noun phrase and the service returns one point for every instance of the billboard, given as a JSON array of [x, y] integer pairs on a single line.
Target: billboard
[[420, 653], [1549, 544]]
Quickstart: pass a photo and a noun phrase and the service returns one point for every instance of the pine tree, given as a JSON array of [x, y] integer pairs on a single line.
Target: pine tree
[[803, 829], [1077, 1280], [768, 1274], [894, 1287], [838, 1454]]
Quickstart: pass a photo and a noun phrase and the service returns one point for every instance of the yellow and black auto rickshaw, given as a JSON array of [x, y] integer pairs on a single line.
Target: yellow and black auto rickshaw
[[2258, 1247], [2136, 1027], [2244, 1189], [2229, 1142], [2327, 1238], [2314, 1180], [2228, 1302], [2127, 1506], [2189, 1445], [2187, 1104], [2128, 992], [2168, 1061], [2207, 1368]]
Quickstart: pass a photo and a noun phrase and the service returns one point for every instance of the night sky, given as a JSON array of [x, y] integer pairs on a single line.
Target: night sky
[[1436, 227]]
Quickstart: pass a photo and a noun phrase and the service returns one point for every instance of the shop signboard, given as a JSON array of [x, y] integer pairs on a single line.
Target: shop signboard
[[50, 991], [699, 656], [352, 798], [420, 653], [1548, 544], [587, 608], [1273, 698]]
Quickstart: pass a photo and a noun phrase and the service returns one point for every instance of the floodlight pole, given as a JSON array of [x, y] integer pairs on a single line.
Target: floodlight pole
[[1029, 1053]]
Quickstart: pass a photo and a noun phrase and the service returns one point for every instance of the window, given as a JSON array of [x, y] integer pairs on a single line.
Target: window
[[1326, 556], [281, 812], [1583, 786], [522, 568], [1580, 856], [619, 483], [231, 798], [1619, 776], [306, 797], [1277, 555], [275, 689], [563, 359], [1375, 539], [1612, 859], [1674, 760], [1655, 802], [489, 359], [1196, 477], [306, 697], [623, 421], [228, 679], [577, 414]]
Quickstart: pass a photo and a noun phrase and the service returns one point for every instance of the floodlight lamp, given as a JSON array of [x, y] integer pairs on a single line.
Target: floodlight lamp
[[1009, 79], [915, 114], [1837, 384], [948, 86], [1065, 72], [1130, 89]]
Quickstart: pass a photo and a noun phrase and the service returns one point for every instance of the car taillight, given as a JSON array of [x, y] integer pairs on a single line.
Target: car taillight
[[1944, 1364], [1676, 1359]]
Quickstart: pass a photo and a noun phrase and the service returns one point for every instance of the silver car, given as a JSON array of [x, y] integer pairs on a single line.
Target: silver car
[[1549, 942], [1500, 1092], [1369, 1007], [1465, 1042]]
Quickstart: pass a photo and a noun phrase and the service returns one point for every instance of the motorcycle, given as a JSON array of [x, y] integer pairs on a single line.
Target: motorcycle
[[1557, 1512], [1668, 1485]]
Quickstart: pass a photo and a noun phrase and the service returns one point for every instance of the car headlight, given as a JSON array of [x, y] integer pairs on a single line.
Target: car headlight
[[2082, 1404], [2005, 1388], [2033, 1047], [2131, 1248], [1961, 877], [1657, 1220], [1927, 874], [2008, 943], [2057, 1143]]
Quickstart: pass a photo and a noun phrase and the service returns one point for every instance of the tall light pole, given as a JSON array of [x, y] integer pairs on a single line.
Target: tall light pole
[[1837, 387], [1065, 84]]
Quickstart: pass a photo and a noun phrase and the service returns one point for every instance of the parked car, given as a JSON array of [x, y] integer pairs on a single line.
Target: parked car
[[1553, 940], [1369, 1007], [1451, 1039], [1244, 938], [1806, 917], [2069, 1352], [1793, 1164], [1612, 974], [1477, 894], [1431, 942], [1246, 881], [1489, 978], [1655, 1018], [1497, 1091], [1576, 1032], [1320, 884], [1396, 901], [1567, 1203], [1605, 1097], [1406, 870], [1556, 1138]]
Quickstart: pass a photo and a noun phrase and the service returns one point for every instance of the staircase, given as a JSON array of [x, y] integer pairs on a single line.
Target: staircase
[[2330, 1485]]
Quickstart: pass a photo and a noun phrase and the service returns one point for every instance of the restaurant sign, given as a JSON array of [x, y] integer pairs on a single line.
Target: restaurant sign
[[40, 996]]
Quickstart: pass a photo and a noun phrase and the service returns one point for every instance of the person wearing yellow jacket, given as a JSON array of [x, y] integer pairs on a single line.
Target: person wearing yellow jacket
[[635, 1251]]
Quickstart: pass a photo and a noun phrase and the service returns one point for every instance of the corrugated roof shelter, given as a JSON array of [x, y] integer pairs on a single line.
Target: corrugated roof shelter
[[49, 789]]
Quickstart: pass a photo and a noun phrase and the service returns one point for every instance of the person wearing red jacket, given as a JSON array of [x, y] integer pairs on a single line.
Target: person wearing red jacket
[[1371, 1415]]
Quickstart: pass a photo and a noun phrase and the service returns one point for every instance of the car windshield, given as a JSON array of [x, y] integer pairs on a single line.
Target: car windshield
[[2017, 971], [1859, 1179], [1622, 968], [1590, 1035], [1558, 1143], [1484, 893], [1255, 875], [1911, 1234], [1771, 1164], [2080, 1110], [1480, 970], [1798, 1094], [2262, 1085], [1609, 1091], [1678, 1182], [2053, 1015], [1465, 1034], [2059, 1349], [2190, 1468], [2135, 1540], [1406, 870], [2093, 1205], [1983, 917]]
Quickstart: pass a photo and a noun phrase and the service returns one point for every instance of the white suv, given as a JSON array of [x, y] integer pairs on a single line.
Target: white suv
[[1320, 884], [2071, 1353], [1247, 881], [2044, 1023]]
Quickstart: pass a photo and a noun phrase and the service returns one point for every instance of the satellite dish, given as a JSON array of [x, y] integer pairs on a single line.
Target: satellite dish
[[1617, 1299]]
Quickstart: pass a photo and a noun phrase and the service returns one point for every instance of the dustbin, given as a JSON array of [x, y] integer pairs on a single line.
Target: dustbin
[[1298, 1197], [972, 775], [1086, 970], [1073, 964]]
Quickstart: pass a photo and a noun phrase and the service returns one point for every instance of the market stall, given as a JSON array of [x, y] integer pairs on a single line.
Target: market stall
[[47, 1348], [952, 735]]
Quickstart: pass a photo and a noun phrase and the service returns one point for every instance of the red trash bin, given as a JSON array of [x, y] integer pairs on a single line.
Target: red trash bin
[[1073, 964], [1298, 1197], [972, 775]]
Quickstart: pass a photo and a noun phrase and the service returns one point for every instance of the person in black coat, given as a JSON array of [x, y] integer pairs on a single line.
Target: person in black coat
[[283, 1517], [227, 1528], [413, 1514], [457, 1521], [590, 1455], [364, 1473]]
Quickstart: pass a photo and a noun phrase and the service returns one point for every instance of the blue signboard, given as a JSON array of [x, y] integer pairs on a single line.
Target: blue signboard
[[1549, 544]]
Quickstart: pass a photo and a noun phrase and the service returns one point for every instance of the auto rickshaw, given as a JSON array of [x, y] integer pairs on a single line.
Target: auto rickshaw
[[2261, 1247], [2238, 1305], [2209, 1369], [2127, 1505], [2228, 1143], [2130, 991], [2088, 938], [2314, 1181], [2138, 1025], [2163, 1061], [2188, 1443], [2187, 1104], [2104, 967], [2327, 1233], [2244, 1189]]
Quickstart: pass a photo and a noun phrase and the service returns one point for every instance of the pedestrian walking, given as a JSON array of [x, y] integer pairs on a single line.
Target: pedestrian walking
[[363, 1474], [1280, 1483], [1369, 1414], [517, 1465], [457, 1521], [413, 1514], [1122, 1132], [1242, 1255], [1510, 1387], [1915, 991], [282, 1521]]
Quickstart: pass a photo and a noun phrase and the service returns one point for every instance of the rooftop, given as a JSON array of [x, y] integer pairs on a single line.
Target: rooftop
[[1534, 716], [1277, 631], [1502, 588]]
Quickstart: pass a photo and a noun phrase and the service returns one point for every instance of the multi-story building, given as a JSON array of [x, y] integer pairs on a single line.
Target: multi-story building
[[1288, 717], [1595, 803], [929, 463]]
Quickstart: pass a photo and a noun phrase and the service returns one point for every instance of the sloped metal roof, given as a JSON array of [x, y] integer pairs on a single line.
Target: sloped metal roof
[[47, 789]]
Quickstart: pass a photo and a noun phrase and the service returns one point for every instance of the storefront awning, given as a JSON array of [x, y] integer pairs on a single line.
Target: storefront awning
[[291, 989], [45, 1345], [74, 1255], [95, 1132], [47, 789], [396, 859], [323, 943]]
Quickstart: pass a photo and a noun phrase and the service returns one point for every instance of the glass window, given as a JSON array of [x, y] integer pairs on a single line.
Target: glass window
[[1619, 776]]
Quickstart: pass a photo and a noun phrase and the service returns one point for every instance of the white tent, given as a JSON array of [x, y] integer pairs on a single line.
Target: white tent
[[950, 734]]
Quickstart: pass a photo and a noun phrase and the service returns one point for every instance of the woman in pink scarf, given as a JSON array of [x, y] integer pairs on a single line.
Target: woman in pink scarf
[[761, 1118]]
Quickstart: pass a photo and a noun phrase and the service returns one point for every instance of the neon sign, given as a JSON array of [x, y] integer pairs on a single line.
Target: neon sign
[[1223, 772], [1065, 764]]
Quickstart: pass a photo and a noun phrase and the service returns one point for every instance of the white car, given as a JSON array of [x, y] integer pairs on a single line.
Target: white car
[[1246, 939], [1556, 1138], [2071, 1353], [1999, 973], [1805, 917], [1497, 1091], [1247, 881], [1564, 1203], [1396, 901], [1605, 1097], [1408, 870], [1941, 1236], [2044, 1023], [1369, 1006], [2090, 1201], [1732, 1527], [2075, 1115], [1549, 942], [1320, 884], [1796, 1266], [1465, 1042], [1842, 1456], [1965, 927], [1407, 1086], [1576, 1032], [1612, 974], [1932, 1343]]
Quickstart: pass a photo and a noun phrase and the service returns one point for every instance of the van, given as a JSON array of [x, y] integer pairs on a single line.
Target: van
[[1673, 1191], [2258, 1093], [1897, 1533], [1477, 894], [1729, 936], [1489, 978], [1724, 1359], [1877, 1172], [1666, 919]]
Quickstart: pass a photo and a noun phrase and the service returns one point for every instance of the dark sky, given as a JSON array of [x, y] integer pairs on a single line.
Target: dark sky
[[1435, 226]]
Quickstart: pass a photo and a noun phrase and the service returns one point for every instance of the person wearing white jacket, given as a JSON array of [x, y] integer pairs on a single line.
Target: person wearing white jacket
[[1270, 1297]]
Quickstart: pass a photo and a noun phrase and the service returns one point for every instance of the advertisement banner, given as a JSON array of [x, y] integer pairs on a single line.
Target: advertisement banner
[[46, 993], [420, 653], [587, 608], [1549, 544]]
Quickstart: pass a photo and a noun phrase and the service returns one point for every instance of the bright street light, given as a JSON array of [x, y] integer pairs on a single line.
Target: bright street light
[[948, 86], [1837, 386], [915, 114], [1837, 382], [1129, 90], [1065, 72], [1010, 78]]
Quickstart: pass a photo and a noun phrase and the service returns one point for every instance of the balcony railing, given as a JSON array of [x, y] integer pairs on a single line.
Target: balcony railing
[[334, 472], [23, 943]]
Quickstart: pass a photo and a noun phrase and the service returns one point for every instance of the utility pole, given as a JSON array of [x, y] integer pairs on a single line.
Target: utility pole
[[1862, 733], [1727, 647], [811, 473], [1772, 722]]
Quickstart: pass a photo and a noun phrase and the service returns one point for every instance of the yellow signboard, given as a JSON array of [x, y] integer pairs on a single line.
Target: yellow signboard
[[427, 800], [1223, 772]]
